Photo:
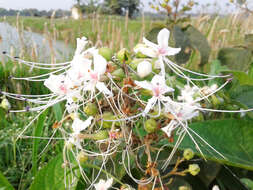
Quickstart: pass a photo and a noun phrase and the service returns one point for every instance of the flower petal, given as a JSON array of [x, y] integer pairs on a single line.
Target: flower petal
[[99, 64], [150, 44], [102, 88], [172, 51], [151, 103], [163, 38], [146, 51], [144, 84]]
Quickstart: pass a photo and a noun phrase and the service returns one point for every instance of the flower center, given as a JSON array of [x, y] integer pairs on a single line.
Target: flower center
[[156, 91], [162, 51], [63, 88], [94, 76]]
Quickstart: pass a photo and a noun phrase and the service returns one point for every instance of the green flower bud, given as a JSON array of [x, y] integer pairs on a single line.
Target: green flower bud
[[91, 109], [150, 125], [5, 104], [194, 169], [101, 135], [184, 188], [81, 157], [124, 56], [188, 154], [106, 53], [119, 73]]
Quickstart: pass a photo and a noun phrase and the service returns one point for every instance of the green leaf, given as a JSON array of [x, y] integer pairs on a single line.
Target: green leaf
[[248, 183], [242, 77], [38, 130], [51, 176], [4, 184], [243, 95], [152, 34], [237, 59], [232, 138], [57, 111], [184, 43], [199, 42]]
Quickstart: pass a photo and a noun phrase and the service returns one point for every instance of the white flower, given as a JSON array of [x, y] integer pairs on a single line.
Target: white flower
[[78, 126], [94, 75], [188, 93], [59, 84], [158, 87], [161, 49], [144, 68], [103, 185], [181, 113]]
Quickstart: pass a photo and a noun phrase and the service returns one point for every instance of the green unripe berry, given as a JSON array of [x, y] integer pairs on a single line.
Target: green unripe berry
[[150, 125], [101, 135], [106, 53], [188, 154], [119, 73], [91, 109], [194, 169], [82, 158]]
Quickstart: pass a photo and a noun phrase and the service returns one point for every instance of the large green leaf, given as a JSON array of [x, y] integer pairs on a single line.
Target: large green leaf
[[57, 111], [232, 138], [4, 184], [184, 43], [199, 42], [50, 177], [237, 59], [242, 77], [243, 94]]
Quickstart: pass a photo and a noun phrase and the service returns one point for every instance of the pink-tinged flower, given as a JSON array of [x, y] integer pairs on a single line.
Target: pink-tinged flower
[[59, 84], [94, 75], [159, 89], [103, 185], [188, 94], [161, 49]]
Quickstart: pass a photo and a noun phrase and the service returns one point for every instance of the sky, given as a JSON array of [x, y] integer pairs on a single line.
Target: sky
[[67, 4]]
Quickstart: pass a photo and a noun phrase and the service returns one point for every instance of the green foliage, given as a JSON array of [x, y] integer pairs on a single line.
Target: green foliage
[[232, 138], [235, 58], [51, 176], [4, 184]]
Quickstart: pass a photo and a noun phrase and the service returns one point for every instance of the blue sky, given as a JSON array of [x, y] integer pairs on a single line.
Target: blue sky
[[66, 4]]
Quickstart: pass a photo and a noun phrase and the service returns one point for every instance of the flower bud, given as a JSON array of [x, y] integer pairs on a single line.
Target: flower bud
[[81, 157], [123, 56], [188, 154], [5, 104], [150, 125], [101, 135], [194, 169], [144, 68], [166, 1], [106, 53], [90, 109], [163, 5]]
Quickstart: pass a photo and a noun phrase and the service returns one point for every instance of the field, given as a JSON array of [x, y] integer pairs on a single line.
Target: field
[[24, 159]]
